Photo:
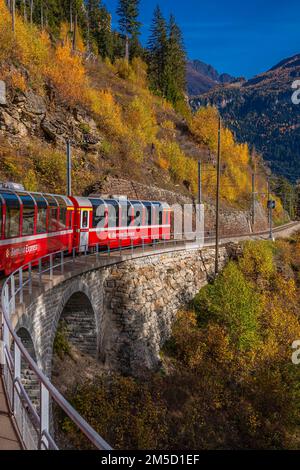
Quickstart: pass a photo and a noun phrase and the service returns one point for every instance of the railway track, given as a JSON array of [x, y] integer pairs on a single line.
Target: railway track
[[281, 232]]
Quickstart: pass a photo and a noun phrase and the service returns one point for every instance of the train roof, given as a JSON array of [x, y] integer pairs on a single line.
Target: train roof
[[36, 195], [124, 200]]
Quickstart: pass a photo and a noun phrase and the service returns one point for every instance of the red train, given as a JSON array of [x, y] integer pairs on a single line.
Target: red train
[[35, 224]]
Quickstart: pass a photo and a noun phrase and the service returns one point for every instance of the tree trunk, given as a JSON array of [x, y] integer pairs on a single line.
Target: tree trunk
[[31, 11], [24, 11], [42, 14], [13, 15], [127, 49], [71, 17], [75, 32]]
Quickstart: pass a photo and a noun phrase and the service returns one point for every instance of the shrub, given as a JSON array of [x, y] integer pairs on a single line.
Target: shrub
[[67, 74], [122, 410], [107, 111], [140, 117], [258, 260], [232, 301], [61, 346]]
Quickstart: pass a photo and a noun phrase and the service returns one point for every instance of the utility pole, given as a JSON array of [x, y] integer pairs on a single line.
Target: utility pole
[[218, 199], [69, 169], [269, 193], [271, 237], [253, 201], [199, 183]]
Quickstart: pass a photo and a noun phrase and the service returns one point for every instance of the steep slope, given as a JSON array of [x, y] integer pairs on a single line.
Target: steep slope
[[116, 126], [261, 112]]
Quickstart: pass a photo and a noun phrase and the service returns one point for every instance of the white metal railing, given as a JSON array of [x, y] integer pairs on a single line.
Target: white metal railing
[[33, 422]]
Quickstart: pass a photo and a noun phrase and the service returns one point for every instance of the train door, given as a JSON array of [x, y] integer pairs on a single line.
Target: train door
[[84, 229]]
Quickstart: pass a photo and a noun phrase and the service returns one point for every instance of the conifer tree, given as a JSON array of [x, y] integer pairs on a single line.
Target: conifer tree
[[99, 27], [128, 11], [166, 58], [105, 38], [175, 71], [157, 52]]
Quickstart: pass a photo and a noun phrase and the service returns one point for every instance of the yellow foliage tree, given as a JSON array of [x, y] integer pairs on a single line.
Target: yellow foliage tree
[[68, 74]]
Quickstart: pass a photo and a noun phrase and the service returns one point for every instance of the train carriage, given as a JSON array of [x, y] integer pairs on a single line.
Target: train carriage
[[119, 222], [33, 225]]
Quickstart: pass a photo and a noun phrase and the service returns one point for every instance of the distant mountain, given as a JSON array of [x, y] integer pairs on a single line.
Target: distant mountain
[[260, 111], [202, 77]]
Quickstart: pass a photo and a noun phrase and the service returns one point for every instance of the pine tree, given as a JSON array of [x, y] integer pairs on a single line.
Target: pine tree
[[105, 38], [175, 71], [99, 27], [157, 52], [128, 11], [166, 59]]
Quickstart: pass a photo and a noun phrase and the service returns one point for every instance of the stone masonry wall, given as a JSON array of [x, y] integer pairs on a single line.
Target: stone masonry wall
[[134, 304], [141, 300]]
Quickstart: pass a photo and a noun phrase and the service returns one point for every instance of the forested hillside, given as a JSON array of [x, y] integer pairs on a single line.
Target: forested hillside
[[123, 106]]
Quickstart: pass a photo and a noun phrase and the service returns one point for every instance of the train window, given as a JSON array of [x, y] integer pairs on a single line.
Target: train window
[[28, 214], [62, 218], [137, 212], [148, 206], [41, 223], [53, 222], [98, 213], [53, 213], [113, 214], [129, 215], [160, 217], [158, 213], [84, 219], [41, 226], [12, 224], [62, 213]]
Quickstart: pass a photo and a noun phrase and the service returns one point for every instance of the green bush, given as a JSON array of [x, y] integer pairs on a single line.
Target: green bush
[[258, 260], [61, 345], [232, 301]]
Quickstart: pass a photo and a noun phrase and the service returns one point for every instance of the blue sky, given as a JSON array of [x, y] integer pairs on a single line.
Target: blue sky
[[237, 37]]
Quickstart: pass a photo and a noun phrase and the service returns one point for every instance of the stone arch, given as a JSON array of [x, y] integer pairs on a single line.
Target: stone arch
[[27, 341], [82, 321]]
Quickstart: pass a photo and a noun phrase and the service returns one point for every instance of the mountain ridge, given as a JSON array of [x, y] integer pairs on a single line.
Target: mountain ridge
[[202, 77], [261, 112]]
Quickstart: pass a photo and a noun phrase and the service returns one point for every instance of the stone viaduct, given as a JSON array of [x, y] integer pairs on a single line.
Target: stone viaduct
[[120, 310]]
